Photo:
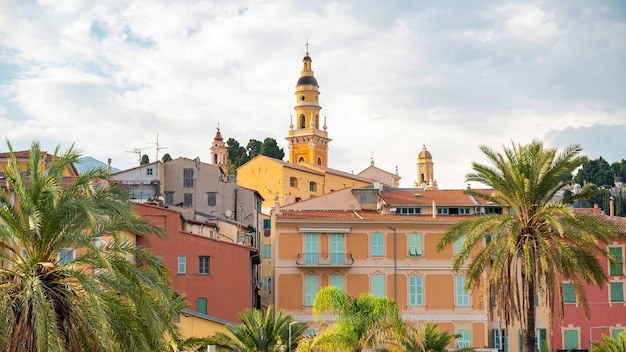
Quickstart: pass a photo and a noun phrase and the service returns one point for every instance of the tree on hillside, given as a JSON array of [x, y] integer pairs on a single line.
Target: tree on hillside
[[538, 244], [261, 333], [361, 322], [597, 171], [238, 155], [61, 288]]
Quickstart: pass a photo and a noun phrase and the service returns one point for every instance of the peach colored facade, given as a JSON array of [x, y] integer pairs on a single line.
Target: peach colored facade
[[372, 245]]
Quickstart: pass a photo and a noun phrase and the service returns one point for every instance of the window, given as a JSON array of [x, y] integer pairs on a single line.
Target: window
[[302, 121], [409, 211], [616, 269], [496, 210], [616, 332], [416, 291], [169, 198], [201, 305], [378, 285], [616, 291], [267, 251], [204, 265], [182, 265], [462, 295], [293, 182], [267, 223], [377, 246], [336, 249], [338, 281], [568, 293], [415, 244], [499, 339], [310, 249], [311, 287], [458, 245], [267, 281], [188, 200], [442, 211], [312, 186], [211, 199], [188, 178], [541, 340], [66, 255], [570, 339], [149, 171], [464, 339]]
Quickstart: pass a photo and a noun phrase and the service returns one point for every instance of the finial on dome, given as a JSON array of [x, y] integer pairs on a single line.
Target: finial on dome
[[307, 46]]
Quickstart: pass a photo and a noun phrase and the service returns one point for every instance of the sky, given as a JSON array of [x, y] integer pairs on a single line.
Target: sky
[[113, 77]]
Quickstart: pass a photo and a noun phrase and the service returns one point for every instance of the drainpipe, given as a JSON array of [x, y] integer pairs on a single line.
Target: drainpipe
[[395, 265]]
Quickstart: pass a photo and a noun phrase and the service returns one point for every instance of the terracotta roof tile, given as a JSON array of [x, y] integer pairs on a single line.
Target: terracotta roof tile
[[360, 215]]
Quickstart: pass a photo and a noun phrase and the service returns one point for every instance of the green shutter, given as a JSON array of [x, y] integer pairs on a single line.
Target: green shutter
[[543, 340], [616, 269], [458, 245], [267, 251], [570, 339], [377, 247], [338, 281], [311, 249], [462, 295], [415, 291], [568, 293], [378, 285], [311, 286], [617, 291], [267, 223], [201, 305], [336, 249], [415, 244]]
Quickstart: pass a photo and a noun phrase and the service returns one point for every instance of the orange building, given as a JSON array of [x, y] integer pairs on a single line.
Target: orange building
[[381, 241]]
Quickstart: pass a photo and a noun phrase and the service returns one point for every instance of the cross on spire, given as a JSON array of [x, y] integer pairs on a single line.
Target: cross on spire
[[307, 45]]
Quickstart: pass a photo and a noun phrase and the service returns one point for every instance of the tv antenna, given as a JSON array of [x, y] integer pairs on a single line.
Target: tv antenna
[[158, 147]]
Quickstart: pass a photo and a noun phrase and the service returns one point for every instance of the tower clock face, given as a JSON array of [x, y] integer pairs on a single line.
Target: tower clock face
[[421, 168]]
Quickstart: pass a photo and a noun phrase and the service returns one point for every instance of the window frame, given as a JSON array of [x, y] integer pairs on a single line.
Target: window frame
[[377, 285], [182, 265], [188, 177], [377, 244], [461, 295], [465, 340], [204, 268], [613, 290], [616, 269], [416, 290], [310, 282], [415, 240], [211, 199], [567, 291]]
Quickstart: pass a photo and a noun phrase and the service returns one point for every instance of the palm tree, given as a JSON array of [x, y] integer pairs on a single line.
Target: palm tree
[[617, 344], [365, 321], [538, 244], [61, 288], [261, 333]]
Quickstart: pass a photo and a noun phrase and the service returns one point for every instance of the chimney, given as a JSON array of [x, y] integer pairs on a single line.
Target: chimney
[[612, 207], [596, 209]]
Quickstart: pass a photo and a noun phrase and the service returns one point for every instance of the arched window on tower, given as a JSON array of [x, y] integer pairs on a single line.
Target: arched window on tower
[[317, 121], [215, 159], [302, 121], [301, 159], [319, 161]]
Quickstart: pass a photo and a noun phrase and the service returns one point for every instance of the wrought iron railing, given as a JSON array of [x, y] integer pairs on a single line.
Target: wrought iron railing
[[325, 259]]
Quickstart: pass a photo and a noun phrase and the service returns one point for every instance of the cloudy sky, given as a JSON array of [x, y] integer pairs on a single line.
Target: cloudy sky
[[110, 76]]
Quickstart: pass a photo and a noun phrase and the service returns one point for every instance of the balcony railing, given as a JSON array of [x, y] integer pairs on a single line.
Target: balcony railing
[[325, 259]]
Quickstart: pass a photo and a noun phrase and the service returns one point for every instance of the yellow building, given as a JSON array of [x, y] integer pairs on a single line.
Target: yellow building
[[381, 241]]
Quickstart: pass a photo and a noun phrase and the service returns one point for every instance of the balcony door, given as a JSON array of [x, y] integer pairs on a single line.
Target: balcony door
[[336, 249], [311, 249]]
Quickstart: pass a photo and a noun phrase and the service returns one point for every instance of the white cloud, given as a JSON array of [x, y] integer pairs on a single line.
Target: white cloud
[[111, 75]]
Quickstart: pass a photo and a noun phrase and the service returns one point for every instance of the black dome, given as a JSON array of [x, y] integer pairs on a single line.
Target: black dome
[[307, 81]]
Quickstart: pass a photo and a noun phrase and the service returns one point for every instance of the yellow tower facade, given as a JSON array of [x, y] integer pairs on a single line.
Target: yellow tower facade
[[219, 152], [308, 140], [425, 170]]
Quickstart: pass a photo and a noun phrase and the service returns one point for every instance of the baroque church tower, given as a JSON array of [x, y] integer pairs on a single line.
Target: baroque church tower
[[308, 141], [425, 170], [219, 152]]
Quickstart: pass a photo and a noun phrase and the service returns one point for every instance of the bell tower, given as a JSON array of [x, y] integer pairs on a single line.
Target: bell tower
[[219, 152], [425, 170], [308, 141]]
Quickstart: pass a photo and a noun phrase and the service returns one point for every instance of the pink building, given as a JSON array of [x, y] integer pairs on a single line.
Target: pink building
[[607, 305], [215, 276]]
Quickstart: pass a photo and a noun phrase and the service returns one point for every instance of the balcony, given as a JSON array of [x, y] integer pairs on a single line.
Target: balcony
[[325, 259]]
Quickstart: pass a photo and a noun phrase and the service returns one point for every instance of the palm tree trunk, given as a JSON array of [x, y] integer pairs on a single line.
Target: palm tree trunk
[[529, 304]]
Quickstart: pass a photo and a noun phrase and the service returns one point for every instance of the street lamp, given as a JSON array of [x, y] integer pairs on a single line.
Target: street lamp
[[591, 336], [290, 324]]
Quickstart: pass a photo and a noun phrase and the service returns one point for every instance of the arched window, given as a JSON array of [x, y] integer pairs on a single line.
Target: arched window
[[317, 121], [302, 121], [293, 182], [319, 161], [301, 159]]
